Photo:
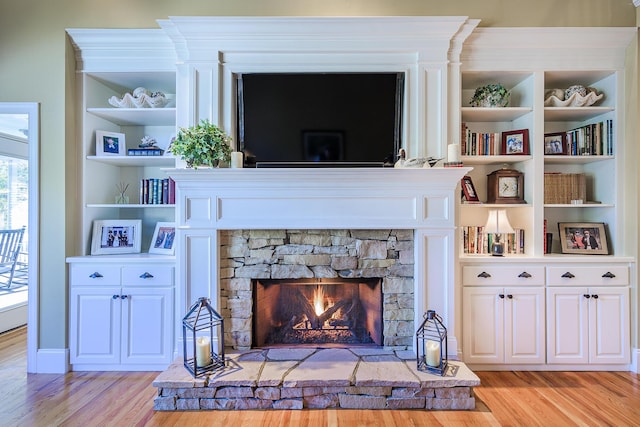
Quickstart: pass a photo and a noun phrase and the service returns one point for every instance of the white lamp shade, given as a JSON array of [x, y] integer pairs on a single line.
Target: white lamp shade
[[498, 222]]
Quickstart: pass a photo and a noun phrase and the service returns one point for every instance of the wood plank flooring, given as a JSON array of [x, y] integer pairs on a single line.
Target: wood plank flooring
[[120, 399]]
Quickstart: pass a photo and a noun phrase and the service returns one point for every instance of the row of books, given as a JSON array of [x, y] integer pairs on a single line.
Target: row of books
[[476, 241], [157, 191], [562, 188], [145, 152], [480, 143], [595, 139]]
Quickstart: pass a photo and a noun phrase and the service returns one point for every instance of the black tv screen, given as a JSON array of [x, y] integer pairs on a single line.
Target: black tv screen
[[326, 119]]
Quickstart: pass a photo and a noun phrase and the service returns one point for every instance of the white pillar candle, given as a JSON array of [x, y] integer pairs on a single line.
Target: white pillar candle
[[203, 351], [453, 153], [236, 159], [433, 353]]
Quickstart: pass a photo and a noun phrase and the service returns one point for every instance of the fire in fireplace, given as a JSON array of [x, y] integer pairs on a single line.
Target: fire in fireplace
[[335, 312]]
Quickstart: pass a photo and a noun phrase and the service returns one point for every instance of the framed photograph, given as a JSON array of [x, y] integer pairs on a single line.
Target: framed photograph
[[515, 142], [110, 144], [468, 190], [116, 236], [555, 144], [586, 238], [163, 238]]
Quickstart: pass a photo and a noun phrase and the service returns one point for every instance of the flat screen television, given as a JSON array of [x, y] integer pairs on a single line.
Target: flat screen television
[[319, 119]]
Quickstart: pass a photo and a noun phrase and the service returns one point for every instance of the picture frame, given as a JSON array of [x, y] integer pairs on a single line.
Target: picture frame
[[110, 143], [163, 240], [581, 237], [515, 142], [116, 236], [555, 144], [468, 189]]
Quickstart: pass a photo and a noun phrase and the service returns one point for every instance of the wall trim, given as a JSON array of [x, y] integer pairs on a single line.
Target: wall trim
[[53, 361], [635, 353]]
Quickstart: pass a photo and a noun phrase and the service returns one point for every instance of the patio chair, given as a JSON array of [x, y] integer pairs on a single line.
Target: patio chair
[[10, 243]]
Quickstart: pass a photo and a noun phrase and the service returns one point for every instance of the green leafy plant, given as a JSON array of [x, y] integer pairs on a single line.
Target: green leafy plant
[[493, 95], [204, 144]]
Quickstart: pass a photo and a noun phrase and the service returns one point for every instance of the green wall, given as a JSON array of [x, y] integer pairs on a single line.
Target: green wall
[[36, 61]]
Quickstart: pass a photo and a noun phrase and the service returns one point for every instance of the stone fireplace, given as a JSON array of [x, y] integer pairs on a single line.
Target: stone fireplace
[[239, 225], [366, 276]]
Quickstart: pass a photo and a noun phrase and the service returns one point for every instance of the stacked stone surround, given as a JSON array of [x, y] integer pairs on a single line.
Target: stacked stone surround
[[301, 378], [305, 254]]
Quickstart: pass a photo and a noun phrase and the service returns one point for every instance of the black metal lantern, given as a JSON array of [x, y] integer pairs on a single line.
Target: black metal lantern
[[431, 344], [199, 328]]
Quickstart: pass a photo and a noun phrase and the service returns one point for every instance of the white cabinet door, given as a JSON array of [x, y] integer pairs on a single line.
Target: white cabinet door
[[95, 325], [588, 325], [609, 325], [147, 325], [483, 324], [568, 325], [524, 325]]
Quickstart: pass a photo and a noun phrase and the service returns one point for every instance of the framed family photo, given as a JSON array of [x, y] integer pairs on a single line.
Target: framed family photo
[[117, 236], [468, 189], [555, 144], [515, 142], [586, 238], [163, 239], [110, 143]]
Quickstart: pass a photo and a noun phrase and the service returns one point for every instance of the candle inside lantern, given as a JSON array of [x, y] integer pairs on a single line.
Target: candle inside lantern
[[203, 351], [236, 159], [433, 353]]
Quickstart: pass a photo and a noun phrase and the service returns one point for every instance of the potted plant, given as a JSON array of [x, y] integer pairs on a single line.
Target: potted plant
[[204, 144], [493, 95]]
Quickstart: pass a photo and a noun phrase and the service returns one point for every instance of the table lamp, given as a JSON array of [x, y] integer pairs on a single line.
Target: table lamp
[[498, 224]]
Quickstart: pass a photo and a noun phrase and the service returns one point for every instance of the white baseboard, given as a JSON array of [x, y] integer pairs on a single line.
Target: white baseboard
[[12, 317], [52, 361], [635, 359]]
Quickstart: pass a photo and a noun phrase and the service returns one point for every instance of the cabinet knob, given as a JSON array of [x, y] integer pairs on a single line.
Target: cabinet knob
[[524, 274], [594, 296], [115, 296], [146, 275], [568, 275], [501, 296], [124, 296], [587, 296], [484, 275], [609, 275], [509, 296], [95, 275]]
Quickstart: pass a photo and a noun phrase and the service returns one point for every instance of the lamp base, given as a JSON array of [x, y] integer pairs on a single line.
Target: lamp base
[[497, 249]]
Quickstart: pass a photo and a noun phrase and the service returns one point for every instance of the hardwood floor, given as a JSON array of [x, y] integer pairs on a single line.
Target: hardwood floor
[[547, 399]]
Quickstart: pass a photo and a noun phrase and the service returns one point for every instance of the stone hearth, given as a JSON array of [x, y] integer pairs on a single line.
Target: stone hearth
[[320, 254], [301, 378]]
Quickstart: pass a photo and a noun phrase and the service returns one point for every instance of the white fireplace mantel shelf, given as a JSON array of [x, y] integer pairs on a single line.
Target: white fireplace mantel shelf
[[317, 198]]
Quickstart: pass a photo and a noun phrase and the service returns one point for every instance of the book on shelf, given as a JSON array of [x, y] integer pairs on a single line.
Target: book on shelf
[[157, 191], [476, 241], [479, 143], [595, 139], [145, 152]]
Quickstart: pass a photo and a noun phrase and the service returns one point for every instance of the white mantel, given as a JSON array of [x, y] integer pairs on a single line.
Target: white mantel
[[423, 200]]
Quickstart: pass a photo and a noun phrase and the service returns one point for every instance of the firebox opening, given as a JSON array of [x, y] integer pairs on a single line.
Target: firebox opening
[[317, 311]]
